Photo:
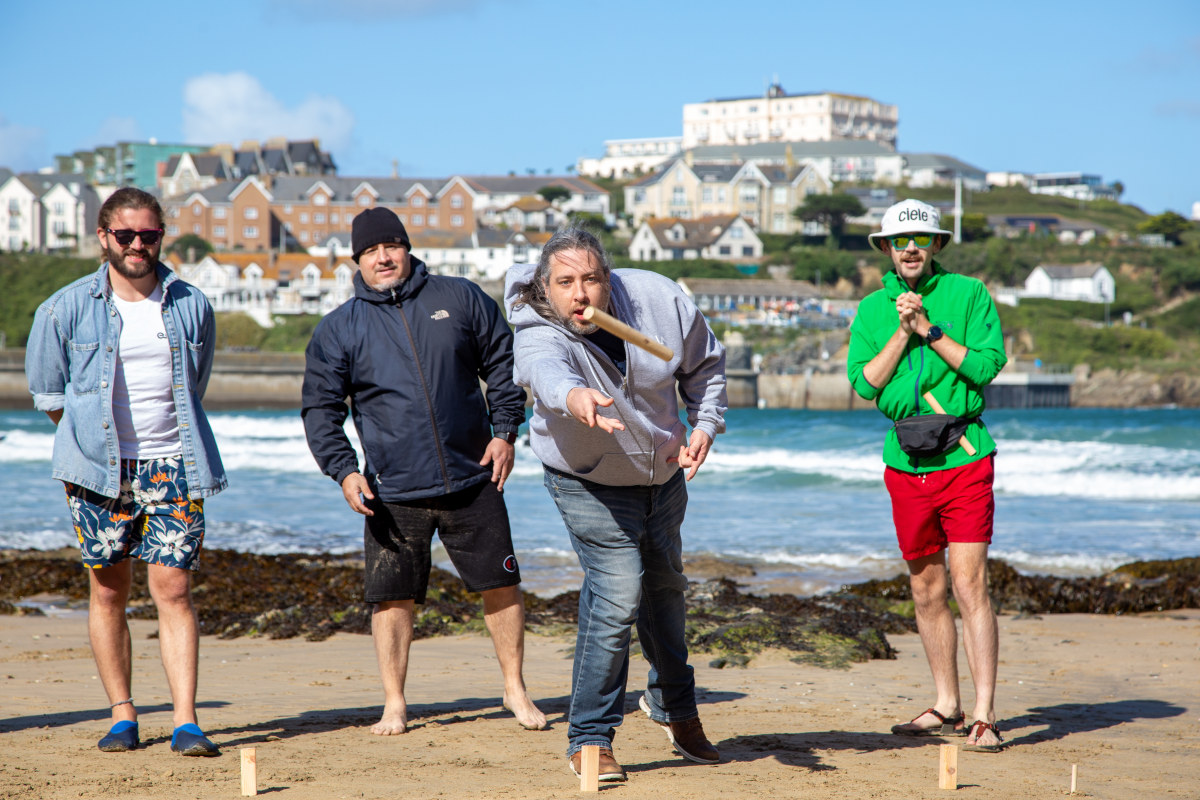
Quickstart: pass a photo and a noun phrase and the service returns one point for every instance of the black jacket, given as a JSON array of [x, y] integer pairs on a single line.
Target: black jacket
[[410, 362]]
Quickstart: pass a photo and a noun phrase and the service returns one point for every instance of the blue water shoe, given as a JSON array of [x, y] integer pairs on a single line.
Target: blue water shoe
[[189, 740], [120, 737]]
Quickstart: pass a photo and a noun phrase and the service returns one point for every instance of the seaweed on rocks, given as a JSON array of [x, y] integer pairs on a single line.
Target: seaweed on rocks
[[315, 596], [1129, 589], [828, 630]]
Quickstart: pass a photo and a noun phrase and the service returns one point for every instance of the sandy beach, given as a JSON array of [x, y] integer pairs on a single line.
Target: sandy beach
[[1115, 695]]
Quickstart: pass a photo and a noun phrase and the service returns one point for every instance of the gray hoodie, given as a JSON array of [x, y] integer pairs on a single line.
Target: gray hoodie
[[552, 360]]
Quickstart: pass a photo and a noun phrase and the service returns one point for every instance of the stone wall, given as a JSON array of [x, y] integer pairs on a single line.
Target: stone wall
[[273, 380]]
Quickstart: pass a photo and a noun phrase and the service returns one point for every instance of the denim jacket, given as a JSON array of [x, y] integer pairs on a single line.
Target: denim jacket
[[70, 362]]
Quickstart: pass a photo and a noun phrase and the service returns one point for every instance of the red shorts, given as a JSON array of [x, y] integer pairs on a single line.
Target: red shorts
[[935, 508]]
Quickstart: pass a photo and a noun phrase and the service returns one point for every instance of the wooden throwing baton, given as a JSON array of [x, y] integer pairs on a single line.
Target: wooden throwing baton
[[936, 406], [623, 331]]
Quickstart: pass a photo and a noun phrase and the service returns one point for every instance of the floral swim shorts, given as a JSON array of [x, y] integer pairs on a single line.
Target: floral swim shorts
[[153, 520]]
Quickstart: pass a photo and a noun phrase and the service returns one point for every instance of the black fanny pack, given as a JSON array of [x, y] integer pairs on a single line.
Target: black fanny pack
[[926, 435]]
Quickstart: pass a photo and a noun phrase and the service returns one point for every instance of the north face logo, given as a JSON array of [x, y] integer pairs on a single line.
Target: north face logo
[[440, 314]]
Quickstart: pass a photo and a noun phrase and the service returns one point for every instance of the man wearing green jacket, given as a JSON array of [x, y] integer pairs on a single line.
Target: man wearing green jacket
[[922, 346]]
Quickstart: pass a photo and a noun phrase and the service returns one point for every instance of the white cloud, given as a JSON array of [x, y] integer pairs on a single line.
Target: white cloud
[[22, 148], [235, 107]]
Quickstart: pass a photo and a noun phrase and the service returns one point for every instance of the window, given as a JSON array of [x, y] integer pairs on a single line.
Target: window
[[59, 209], [287, 208], [456, 201], [748, 250], [433, 220], [748, 193], [364, 200], [197, 210], [304, 217], [60, 228], [735, 232], [725, 250], [456, 221], [639, 195], [418, 219], [679, 196], [418, 200], [706, 194], [318, 219], [304, 236], [250, 212], [720, 194], [172, 230], [779, 222], [250, 232], [219, 213], [197, 229], [320, 200], [219, 230], [333, 218], [779, 195]]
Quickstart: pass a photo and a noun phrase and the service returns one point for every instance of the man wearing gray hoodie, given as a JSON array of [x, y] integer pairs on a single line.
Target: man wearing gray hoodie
[[606, 427]]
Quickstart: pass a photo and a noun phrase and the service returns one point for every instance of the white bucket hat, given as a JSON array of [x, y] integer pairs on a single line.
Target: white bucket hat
[[908, 216]]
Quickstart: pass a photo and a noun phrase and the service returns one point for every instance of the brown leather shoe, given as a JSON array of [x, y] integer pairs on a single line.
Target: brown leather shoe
[[686, 737], [610, 770]]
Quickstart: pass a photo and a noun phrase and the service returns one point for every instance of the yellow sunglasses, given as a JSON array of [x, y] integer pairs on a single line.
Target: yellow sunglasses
[[922, 240]]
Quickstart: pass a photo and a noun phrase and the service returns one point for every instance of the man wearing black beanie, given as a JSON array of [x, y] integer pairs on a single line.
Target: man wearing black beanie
[[409, 350]]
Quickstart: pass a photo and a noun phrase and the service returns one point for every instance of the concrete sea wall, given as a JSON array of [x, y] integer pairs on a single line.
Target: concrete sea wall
[[273, 380]]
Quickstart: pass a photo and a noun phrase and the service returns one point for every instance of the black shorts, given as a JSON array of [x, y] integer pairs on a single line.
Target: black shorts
[[473, 527]]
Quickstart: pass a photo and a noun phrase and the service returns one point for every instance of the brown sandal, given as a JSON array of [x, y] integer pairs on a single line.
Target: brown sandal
[[977, 729], [951, 726]]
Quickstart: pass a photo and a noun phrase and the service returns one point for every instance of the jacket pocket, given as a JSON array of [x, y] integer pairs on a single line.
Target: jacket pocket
[[86, 364]]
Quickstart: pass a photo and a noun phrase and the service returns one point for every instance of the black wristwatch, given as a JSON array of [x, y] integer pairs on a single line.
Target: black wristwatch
[[934, 334], [510, 437]]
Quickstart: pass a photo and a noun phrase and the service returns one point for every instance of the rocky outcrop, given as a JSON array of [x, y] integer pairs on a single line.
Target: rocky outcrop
[[1109, 388]]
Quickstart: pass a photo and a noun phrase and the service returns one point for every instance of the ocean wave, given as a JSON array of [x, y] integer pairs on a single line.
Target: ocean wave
[[20, 445], [1064, 564]]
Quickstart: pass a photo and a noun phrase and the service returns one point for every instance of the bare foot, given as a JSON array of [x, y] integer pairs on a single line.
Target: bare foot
[[527, 714], [393, 722]]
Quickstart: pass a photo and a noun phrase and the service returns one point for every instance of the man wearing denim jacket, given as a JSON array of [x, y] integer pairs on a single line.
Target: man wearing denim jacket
[[606, 427], [119, 361]]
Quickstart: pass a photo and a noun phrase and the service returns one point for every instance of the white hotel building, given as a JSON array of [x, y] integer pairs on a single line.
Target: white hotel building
[[781, 117]]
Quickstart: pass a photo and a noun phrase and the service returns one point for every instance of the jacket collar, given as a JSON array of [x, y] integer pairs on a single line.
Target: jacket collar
[[101, 287], [406, 290], [896, 286]]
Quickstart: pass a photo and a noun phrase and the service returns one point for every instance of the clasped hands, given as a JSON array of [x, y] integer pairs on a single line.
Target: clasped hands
[[913, 318]]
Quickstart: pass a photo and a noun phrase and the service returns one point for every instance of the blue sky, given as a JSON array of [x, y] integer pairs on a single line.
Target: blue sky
[[489, 86]]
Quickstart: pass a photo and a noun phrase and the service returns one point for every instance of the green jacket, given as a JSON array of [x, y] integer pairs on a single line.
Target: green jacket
[[963, 309]]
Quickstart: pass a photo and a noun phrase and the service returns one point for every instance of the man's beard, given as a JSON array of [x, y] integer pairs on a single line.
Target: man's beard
[[585, 329], [116, 259]]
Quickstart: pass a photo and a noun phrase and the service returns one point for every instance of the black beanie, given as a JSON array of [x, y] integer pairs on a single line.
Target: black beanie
[[376, 226]]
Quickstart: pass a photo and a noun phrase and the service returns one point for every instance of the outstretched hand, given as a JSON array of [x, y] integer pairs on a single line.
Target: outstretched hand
[[582, 404], [694, 454]]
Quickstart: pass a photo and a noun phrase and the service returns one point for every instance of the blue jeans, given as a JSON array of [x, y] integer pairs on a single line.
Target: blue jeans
[[628, 543]]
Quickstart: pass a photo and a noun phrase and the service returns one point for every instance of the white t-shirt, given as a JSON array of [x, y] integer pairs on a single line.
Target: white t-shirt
[[142, 403]]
